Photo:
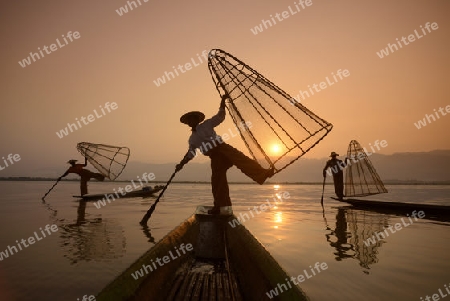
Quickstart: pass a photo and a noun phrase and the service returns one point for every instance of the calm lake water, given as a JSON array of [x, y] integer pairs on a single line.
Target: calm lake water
[[92, 246]]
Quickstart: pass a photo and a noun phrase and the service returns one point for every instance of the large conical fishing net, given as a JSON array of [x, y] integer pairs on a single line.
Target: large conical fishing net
[[361, 178], [109, 160], [282, 130]]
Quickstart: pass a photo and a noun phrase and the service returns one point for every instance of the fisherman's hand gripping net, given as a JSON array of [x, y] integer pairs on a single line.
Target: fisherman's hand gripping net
[[361, 178], [107, 159], [282, 129]]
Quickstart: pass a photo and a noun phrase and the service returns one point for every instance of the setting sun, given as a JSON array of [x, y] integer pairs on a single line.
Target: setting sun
[[275, 149]]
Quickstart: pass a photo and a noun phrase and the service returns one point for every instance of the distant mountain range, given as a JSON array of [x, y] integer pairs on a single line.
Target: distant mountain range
[[417, 167], [431, 166]]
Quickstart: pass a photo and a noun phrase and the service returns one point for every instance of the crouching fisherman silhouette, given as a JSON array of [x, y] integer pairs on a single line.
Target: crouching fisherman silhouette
[[85, 174], [222, 155]]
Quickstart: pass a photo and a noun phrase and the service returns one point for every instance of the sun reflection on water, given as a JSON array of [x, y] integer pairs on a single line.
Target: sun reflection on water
[[278, 216], [278, 219]]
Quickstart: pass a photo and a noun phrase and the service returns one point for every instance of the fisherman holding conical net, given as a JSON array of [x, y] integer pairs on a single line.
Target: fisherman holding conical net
[[283, 133], [222, 155], [336, 167], [109, 160], [85, 174]]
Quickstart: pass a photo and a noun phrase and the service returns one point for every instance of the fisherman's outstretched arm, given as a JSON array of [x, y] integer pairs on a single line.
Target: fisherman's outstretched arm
[[190, 154], [346, 160], [66, 173], [222, 103], [220, 116]]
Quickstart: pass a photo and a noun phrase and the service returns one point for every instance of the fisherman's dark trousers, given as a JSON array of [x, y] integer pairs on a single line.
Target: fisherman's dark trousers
[[338, 179], [85, 177], [224, 156]]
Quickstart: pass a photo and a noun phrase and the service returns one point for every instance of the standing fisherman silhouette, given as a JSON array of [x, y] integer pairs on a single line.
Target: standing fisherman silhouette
[[337, 166], [85, 174], [222, 155]]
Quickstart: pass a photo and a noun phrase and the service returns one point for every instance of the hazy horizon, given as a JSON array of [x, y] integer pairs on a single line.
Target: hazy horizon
[[102, 71], [410, 167]]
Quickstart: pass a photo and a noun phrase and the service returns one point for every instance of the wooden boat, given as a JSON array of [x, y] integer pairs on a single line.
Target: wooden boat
[[361, 179], [430, 210], [225, 263], [144, 192]]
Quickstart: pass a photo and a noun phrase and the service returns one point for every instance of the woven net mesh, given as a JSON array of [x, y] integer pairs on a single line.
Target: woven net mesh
[[361, 178], [107, 159], [282, 130], [362, 225], [352, 230]]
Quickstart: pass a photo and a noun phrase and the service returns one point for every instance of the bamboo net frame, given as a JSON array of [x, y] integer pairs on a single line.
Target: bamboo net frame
[[109, 160], [361, 178], [282, 129]]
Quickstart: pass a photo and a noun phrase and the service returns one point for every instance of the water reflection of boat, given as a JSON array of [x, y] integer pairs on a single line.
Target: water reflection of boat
[[89, 239], [353, 228], [224, 263]]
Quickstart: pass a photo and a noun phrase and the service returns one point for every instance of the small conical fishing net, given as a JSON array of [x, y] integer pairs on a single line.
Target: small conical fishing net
[[361, 178], [107, 159], [282, 130]]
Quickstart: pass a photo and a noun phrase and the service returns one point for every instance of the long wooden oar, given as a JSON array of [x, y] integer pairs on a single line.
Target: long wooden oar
[[323, 190], [59, 179], [152, 208]]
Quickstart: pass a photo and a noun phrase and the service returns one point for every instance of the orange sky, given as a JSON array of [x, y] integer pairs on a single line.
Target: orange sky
[[117, 58]]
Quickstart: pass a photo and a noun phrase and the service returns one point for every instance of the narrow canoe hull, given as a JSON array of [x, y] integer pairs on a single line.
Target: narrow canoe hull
[[253, 272], [132, 194], [430, 210]]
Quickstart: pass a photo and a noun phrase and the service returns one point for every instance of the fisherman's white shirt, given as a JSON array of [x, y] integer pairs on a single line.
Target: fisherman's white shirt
[[204, 135]]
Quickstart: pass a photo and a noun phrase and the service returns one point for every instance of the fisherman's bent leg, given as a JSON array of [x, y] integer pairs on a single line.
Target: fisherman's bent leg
[[219, 166], [98, 176], [248, 166]]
